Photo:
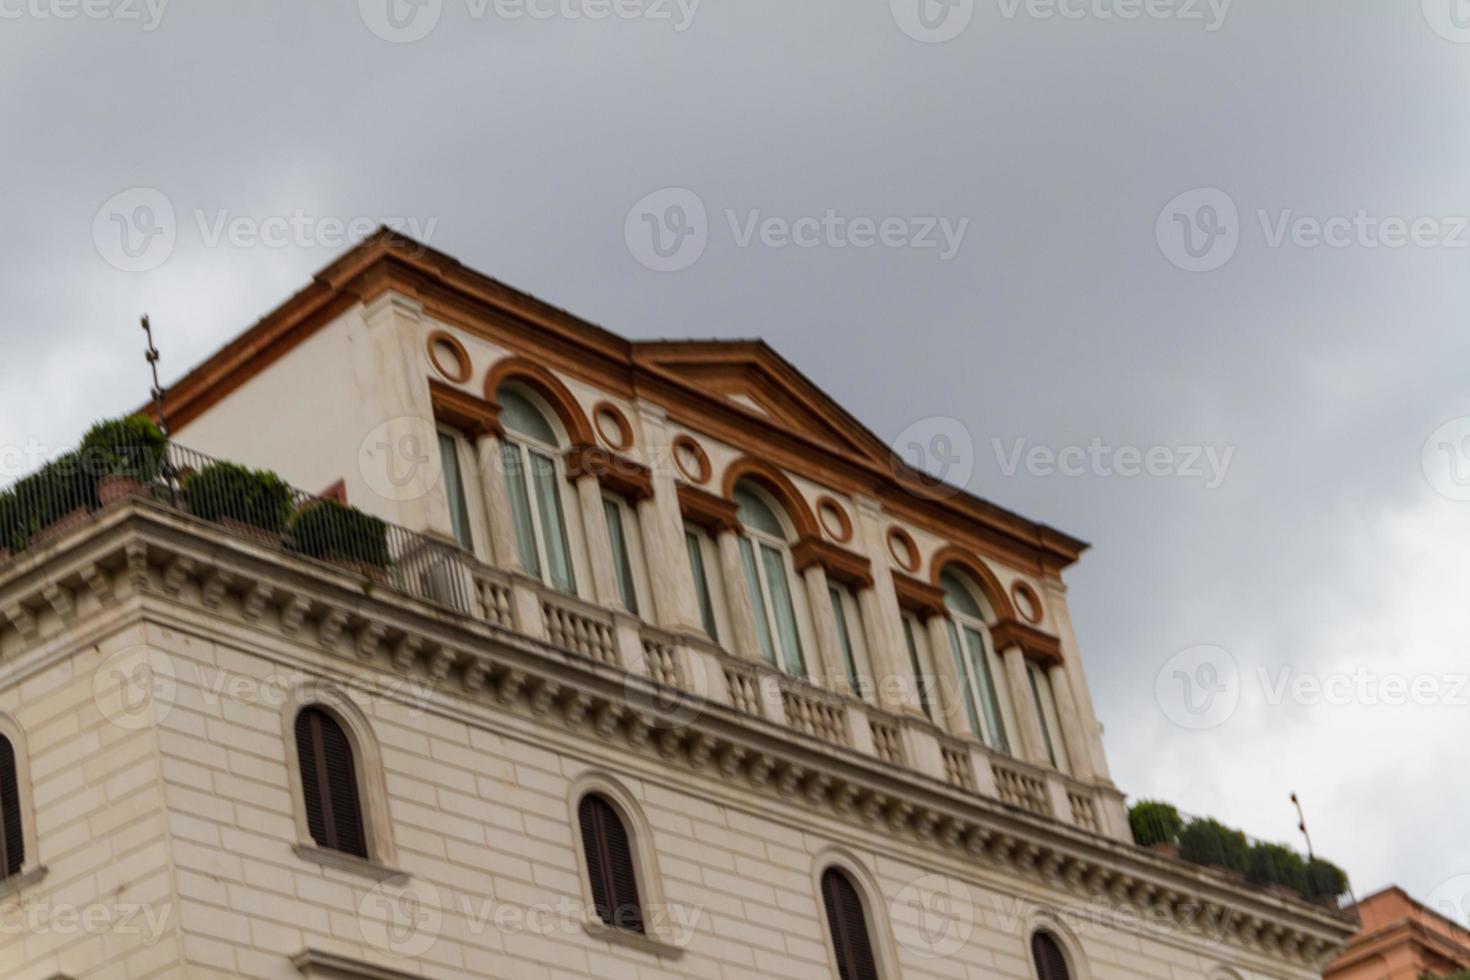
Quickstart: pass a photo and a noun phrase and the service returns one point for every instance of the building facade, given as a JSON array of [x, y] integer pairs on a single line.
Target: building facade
[[668, 670], [1400, 939]]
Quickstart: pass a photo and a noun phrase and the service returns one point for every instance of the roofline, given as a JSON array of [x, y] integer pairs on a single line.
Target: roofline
[[369, 268]]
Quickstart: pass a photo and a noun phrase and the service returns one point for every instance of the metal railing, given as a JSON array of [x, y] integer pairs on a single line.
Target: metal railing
[[1234, 854], [249, 504]]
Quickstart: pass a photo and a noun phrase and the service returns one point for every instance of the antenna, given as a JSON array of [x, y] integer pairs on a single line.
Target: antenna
[[152, 357], [1302, 826]]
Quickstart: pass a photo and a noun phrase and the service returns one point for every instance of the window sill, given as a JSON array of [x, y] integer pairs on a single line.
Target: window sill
[[18, 883], [598, 929], [330, 966], [346, 862]]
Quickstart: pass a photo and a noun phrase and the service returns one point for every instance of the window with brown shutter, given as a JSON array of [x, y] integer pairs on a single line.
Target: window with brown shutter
[[329, 783], [1051, 964], [12, 841], [850, 939], [610, 866]]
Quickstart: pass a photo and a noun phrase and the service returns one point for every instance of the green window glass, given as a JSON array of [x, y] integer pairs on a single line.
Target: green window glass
[[621, 559], [844, 640], [459, 512], [921, 677], [758, 602], [520, 508], [553, 523], [701, 585], [781, 602]]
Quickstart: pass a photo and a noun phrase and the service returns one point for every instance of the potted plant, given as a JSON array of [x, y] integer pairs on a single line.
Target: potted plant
[[1325, 882], [125, 455], [1214, 845], [56, 497], [335, 532], [1156, 826], [256, 503], [1277, 869]]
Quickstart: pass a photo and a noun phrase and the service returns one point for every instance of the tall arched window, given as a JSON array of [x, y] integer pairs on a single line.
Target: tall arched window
[[610, 867], [769, 572], [12, 834], [975, 662], [1051, 962], [534, 479], [851, 943], [329, 783]]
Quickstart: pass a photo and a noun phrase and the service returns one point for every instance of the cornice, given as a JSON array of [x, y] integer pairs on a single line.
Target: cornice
[[138, 549], [1036, 644], [849, 568], [617, 473]]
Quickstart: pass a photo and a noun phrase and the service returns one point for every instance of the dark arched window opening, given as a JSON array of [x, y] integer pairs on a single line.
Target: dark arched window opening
[[329, 783], [610, 865], [850, 939], [1051, 963], [12, 840]]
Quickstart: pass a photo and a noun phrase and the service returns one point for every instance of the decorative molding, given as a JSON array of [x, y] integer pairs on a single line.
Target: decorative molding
[[702, 470], [714, 514], [700, 735], [904, 549], [624, 436], [320, 965], [919, 597], [463, 368], [473, 416], [853, 570], [616, 473], [1041, 647], [830, 505]]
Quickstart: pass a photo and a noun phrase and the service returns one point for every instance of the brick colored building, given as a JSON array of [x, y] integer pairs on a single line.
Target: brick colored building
[[1401, 939]]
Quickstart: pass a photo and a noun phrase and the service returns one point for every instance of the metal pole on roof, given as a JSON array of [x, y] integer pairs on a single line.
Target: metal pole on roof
[[1302, 826], [152, 356]]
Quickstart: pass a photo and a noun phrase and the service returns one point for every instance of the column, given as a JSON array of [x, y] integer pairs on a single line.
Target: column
[[831, 665], [1071, 722], [882, 618], [1056, 604], [503, 542], [953, 695], [665, 566], [599, 545], [676, 601], [745, 642], [1032, 744], [888, 659]]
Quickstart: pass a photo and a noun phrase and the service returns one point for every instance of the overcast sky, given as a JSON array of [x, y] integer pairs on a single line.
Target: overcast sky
[[1065, 309]]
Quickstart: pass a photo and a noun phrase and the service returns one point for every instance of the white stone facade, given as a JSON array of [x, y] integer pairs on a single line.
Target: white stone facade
[[152, 665]]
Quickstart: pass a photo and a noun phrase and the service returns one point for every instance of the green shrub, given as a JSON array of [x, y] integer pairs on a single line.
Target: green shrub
[[1211, 843], [335, 532], [43, 498], [1324, 880], [131, 446], [1273, 864], [227, 490], [1154, 823]]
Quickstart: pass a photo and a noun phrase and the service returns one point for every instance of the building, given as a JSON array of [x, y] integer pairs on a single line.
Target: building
[[1401, 939], [673, 672]]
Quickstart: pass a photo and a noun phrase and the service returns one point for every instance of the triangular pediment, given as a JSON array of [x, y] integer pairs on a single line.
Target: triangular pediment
[[754, 378]]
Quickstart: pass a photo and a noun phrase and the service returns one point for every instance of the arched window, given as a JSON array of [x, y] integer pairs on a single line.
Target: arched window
[[610, 868], [976, 663], [534, 479], [1051, 962], [12, 834], [329, 783], [848, 921], [769, 572]]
